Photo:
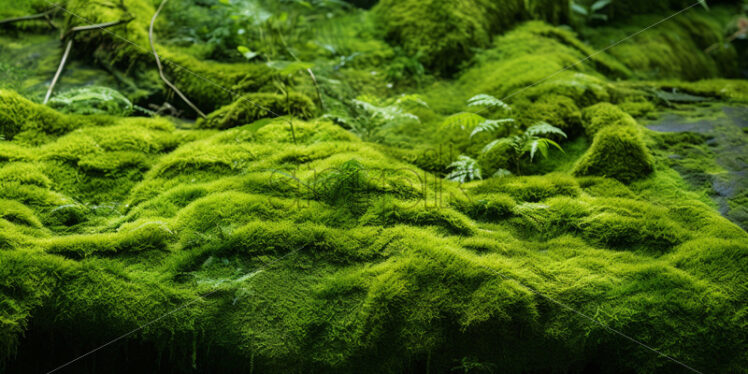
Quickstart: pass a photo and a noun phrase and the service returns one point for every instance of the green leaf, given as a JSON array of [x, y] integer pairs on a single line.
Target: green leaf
[[497, 142], [599, 5], [487, 101], [490, 125], [246, 52], [463, 120], [465, 169], [579, 9], [290, 67], [544, 128]]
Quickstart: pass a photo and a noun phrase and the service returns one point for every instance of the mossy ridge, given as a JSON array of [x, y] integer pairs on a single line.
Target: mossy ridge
[[674, 49], [443, 33]]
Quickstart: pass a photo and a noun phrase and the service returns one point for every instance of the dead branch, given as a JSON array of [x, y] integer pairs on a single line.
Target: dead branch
[[99, 26], [59, 70], [161, 68], [27, 18]]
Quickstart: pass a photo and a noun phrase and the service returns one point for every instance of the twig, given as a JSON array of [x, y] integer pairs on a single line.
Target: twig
[[59, 70], [98, 26], [316, 87], [26, 18], [161, 68]]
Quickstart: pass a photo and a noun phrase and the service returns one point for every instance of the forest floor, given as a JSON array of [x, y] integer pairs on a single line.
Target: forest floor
[[386, 187]]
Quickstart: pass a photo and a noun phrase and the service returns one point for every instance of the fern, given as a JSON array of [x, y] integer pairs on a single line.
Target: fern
[[490, 125], [528, 143], [540, 144], [544, 128], [488, 101], [465, 169], [463, 120]]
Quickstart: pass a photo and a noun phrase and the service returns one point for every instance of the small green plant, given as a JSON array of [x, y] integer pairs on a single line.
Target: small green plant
[[369, 117], [520, 144], [593, 12], [465, 169], [528, 143]]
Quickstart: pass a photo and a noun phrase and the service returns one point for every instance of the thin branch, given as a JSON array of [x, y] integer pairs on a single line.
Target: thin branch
[[316, 86], [161, 68], [98, 26], [26, 18], [59, 70]]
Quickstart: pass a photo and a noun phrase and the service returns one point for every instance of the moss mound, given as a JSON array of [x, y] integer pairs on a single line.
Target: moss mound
[[444, 33], [250, 243], [617, 152], [252, 107], [672, 49], [599, 116]]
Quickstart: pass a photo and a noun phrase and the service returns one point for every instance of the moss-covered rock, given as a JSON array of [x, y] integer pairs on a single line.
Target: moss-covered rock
[[599, 116], [444, 33], [20, 115], [617, 152], [252, 107], [673, 49]]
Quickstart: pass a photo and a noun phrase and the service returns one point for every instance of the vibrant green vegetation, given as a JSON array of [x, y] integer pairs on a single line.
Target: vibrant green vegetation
[[367, 192]]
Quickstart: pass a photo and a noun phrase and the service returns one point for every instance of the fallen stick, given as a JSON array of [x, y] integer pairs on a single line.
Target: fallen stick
[[99, 26], [26, 18], [59, 70], [161, 68]]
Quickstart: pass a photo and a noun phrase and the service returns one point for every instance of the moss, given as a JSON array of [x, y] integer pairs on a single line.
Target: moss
[[387, 212], [672, 49], [599, 116], [146, 236], [534, 60], [617, 152], [559, 111], [489, 206], [20, 115], [622, 225], [531, 189], [17, 213], [253, 107], [444, 33]]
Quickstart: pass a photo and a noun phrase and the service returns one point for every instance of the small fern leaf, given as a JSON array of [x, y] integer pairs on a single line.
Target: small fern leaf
[[490, 125], [465, 169], [463, 120], [544, 128], [496, 143], [488, 101]]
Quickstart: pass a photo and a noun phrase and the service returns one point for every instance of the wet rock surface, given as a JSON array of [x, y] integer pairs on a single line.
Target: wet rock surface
[[726, 151]]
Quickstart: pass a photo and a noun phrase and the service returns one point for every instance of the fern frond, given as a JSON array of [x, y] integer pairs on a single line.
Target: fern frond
[[488, 101], [540, 145], [411, 100], [490, 125], [497, 142], [465, 169], [544, 128], [463, 120]]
